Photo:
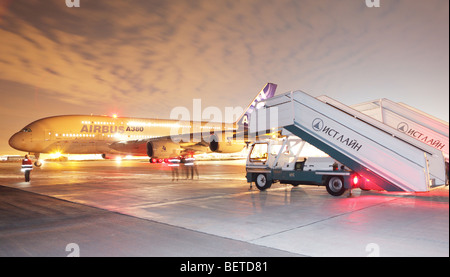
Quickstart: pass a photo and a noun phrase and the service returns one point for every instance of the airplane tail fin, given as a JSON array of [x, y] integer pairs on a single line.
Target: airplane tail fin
[[267, 92]]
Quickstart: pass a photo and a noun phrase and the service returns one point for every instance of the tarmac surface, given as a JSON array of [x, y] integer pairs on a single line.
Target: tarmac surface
[[133, 208]]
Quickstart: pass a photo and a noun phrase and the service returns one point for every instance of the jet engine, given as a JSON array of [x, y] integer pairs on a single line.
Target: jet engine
[[163, 149], [112, 157], [225, 146]]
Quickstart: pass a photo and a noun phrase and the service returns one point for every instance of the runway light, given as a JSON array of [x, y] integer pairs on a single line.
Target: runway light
[[114, 115]]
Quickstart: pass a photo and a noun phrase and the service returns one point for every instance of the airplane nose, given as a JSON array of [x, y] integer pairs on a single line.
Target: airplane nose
[[15, 141], [12, 141]]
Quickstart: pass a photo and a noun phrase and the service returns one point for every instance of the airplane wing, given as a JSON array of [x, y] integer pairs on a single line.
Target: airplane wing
[[173, 146], [220, 141]]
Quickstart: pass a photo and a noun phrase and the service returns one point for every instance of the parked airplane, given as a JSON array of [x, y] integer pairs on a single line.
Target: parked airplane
[[119, 136]]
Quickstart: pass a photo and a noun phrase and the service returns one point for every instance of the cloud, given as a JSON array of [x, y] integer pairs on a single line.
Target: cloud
[[149, 56], [145, 57]]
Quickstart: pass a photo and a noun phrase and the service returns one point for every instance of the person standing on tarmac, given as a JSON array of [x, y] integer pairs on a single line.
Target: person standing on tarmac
[[174, 164], [191, 167], [27, 167]]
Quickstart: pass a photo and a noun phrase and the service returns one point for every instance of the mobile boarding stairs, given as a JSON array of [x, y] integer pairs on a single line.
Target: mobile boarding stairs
[[408, 120], [384, 157]]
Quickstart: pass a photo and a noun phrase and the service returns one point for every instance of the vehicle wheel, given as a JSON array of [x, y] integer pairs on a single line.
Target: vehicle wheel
[[261, 182], [335, 186]]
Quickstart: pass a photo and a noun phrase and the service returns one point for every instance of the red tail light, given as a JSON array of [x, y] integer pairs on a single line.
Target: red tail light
[[355, 180]]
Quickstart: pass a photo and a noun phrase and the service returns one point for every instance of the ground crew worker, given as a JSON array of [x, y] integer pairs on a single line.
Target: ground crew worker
[[27, 166], [191, 167], [174, 164]]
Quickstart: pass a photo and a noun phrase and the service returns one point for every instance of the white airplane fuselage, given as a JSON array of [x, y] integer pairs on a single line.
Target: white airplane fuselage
[[90, 134]]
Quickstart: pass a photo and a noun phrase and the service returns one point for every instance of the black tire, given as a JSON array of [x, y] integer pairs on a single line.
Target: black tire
[[261, 181], [335, 185]]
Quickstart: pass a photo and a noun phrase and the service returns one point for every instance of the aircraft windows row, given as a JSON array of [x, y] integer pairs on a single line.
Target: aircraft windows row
[[77, 135], [130, 136], [109, 136], [171, 125], [98, 123]]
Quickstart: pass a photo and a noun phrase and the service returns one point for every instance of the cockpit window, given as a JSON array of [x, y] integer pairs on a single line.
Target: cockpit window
[[26, 130]]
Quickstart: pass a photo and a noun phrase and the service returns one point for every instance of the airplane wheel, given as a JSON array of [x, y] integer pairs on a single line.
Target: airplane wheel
[[335, 186], [261, 182]]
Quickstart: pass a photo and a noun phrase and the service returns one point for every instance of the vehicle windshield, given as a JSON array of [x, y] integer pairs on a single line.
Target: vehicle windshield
[[26, 130], [259, 153]]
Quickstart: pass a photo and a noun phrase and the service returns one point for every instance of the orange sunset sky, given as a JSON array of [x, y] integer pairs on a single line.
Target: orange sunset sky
[[143, 58]]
